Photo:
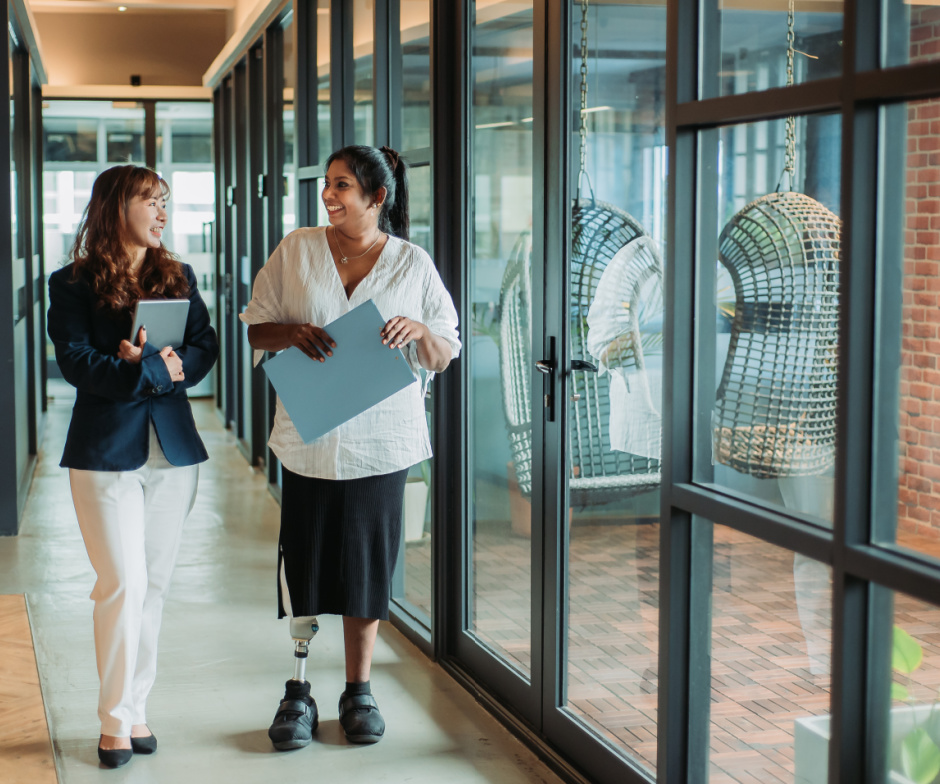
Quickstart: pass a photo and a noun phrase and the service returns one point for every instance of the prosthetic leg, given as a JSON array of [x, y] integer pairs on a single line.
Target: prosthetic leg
[[302, 630], [297, 717]]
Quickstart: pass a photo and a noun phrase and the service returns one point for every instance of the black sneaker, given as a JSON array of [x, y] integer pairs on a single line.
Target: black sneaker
[[360, 717], [296, 718]]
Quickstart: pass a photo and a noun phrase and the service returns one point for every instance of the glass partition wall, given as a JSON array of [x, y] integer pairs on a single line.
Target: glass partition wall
[[411, 123], [500, 285], [83, 138], [22, 392], [615, 267], [688, 532], [800, 544]]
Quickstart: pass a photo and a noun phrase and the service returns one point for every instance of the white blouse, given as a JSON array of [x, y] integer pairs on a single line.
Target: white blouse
[[300, 284]]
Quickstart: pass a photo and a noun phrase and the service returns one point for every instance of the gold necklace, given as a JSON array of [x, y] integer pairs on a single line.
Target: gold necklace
[[343, 257]]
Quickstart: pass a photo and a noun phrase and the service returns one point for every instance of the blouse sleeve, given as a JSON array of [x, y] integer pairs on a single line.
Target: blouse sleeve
[[440, 316], [265, 306]]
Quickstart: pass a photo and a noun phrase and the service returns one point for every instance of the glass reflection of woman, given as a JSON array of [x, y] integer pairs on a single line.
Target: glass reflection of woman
[[132, 448]]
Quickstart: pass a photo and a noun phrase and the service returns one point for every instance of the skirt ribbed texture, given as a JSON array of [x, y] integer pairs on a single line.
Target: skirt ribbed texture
[[339, 544]]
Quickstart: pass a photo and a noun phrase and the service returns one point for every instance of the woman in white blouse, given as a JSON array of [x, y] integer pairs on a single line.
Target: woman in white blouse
[[342, 494]]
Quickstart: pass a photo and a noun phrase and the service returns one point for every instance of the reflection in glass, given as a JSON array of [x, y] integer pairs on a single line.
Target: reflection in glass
[[65, 194], [16, 249], [184, 133], [420, 205], [324, 130], [416, 74], [418, 512], [323, 217], [615, 411], [75, 152], [83, 136], [185, 161], [186, 128], [289, 175], [70, 141], [363, 50], [913, 351], [501, 86], [416, 528], [124, 139], [768, 370], [770, 647], [19, 271], [913, 36], [754, 46], [913, 727]]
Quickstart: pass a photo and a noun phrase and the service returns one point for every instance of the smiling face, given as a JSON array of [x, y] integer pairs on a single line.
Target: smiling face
[[145, 219], [349, 208]]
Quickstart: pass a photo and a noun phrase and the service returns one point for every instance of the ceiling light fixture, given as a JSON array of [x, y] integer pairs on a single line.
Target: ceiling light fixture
[[122, 8]]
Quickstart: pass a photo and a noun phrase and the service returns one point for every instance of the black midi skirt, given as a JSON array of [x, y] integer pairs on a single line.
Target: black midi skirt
[[339, 544]]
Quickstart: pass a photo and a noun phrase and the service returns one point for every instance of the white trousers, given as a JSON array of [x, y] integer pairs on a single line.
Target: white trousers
[[131, 522]]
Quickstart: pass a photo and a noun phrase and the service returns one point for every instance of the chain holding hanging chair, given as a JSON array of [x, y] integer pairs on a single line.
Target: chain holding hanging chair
[[775, 408], [599, 231]]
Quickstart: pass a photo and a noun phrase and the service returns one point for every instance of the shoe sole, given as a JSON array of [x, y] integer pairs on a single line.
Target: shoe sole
[[363, 738], [290, 745]]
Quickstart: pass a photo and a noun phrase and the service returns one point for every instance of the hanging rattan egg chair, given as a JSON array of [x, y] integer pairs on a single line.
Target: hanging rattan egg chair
[[775, 410], [595, 472], [599, 231]]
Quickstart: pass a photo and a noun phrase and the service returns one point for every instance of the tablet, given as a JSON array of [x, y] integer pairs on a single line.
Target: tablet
[[165, 320]]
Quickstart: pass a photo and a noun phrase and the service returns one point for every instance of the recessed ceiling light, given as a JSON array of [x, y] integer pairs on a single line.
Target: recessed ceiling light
[[122, 8]]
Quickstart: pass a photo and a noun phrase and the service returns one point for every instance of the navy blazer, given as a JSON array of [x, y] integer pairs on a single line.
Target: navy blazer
[[117, 400]]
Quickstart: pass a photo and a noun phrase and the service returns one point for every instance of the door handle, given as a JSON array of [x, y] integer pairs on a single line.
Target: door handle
[[545, 366], [583, 364]]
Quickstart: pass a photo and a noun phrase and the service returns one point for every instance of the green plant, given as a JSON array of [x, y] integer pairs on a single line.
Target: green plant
[[425, 465], [919, 754], [485, 320]]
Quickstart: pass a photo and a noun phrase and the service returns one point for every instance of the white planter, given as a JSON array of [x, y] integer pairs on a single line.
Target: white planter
[[416, 503], [811, 743]]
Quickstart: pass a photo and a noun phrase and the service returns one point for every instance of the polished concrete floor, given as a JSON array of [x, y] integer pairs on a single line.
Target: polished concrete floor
[[224, 655]]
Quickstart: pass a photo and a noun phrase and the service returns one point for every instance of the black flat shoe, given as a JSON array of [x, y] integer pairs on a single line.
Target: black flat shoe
[[147, 745], [296, 719], [114, 758], [360, 718]]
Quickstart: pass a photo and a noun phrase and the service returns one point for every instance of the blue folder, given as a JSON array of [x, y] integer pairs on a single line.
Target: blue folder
[[320, 396]]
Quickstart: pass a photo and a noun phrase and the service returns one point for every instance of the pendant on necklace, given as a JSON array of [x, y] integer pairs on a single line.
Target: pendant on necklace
[[343, 260]]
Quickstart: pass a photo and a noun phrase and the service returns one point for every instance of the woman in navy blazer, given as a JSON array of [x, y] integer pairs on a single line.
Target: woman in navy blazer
[[132, 448]]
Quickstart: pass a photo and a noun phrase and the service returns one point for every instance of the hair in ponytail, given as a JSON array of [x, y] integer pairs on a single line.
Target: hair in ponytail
[[381, 168]]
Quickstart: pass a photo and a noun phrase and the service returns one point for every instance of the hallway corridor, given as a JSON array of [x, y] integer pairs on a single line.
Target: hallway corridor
[[224, 655]]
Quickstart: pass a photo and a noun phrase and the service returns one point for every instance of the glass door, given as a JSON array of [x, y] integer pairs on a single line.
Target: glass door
[[498, 339], [184, 155], [608, 597], [565, 361]]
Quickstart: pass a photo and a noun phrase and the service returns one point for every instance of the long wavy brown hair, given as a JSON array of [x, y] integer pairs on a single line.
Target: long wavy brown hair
[[100, 251]]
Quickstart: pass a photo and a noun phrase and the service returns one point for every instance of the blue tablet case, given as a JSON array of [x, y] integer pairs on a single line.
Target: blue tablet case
[[320, 396]]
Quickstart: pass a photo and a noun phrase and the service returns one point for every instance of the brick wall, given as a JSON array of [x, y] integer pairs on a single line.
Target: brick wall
[[919, 491]]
